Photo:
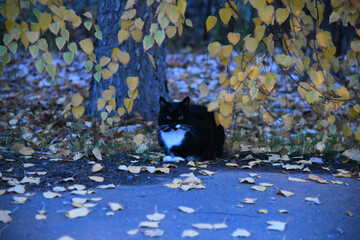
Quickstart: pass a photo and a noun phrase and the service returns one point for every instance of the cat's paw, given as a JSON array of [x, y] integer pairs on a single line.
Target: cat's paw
[[172, 159], [193, 158]]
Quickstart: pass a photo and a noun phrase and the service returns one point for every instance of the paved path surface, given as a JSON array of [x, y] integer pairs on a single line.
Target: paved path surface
[[214, 204]]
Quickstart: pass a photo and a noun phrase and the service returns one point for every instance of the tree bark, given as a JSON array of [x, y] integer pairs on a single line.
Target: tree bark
[[152, 81]]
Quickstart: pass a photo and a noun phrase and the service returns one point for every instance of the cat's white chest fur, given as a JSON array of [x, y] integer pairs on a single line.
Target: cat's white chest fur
[[173, 137]]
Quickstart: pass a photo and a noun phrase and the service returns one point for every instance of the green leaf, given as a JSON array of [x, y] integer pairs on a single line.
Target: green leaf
[[312, 96], [148, 42], [15, 33], [47, 58], [92, 57], [40, 64], [98, 68], [51, 70], [60, 42], [159, 36], [7, 39], [332, 129], [3, 50], [13, 47], [188, 23], [88, 25], [34, 51], [98, 35], [6, 58], [88, 65], [65, 34], [346, 130], [97, 76], [72, 47], [68, 57], [42, 43], [54, 28], [88, 14]]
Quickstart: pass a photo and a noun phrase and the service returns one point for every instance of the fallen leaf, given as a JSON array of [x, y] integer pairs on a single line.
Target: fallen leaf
[[66, 238], [283, 211], [97, 153], [285, 193], [79, 200], [51, 195], [5, 216], [97, 167], [317, 179], [40, 217], [17, 189], [259, 188], [30, 180], [240, 232], [313, 200], [266, 184], [156, 216], [123, 168], [134, 169], [77, 212], [77, 187], [353, 154], [153, 232], [249, 200], [206, 172], [27, 165], [187, 209], [349, 213], [296, 179], [337, 182], [108, 186], [26, 151], [132, 232], [20, 200], [293, 167], [96, 178], [203, 226], [110, 214], [247, 180], [220, 225], [59, 189], [254, 175], [276, 225], [232, 164], [316, 160], [147, 224], [189, 233], [264, 211], [115, 206]]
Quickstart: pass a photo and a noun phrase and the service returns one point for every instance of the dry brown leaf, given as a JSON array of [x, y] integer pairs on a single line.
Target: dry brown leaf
[[40, 217], [147, 224], [27, 165], [79, 200], [115, 206], [123, 168], [17, 189], [132, 232], [97, 153], [313, 200], [259, 188], [108, 186], [285, 193], [293, 167], [134, 169], [59, 189], [240, 232], [232, 164], [77, 187], [203, 225], [254, 175], [249, 200], [51, 195], [66, 238], [264, 211], [337, 182], [26, 151], [349, 213], [20, 200], [220, 225], [266, 184], [206, 172], [30, 180], [156, 216], [317, 179], [77, 212], [283, 211], [189, 233], [97, 168], [187, 209], [276, 225]]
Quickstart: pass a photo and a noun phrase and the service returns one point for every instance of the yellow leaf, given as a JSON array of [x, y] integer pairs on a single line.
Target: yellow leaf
[[250, 44], [122, 35], [303, 88], [86, 45], [139, 24], [281, 15], [259, 32], [128, 104], [324, 38], [100, 103], [44, 21], [132, 83], [123, 57], [32, 36], [104, 60], [317, 77], [170, 31], [173, 13], [114, 54], [355, 45], [121, 111], [113, 67], [233, 37], [285, 61], [98, 156], [213, 106], [78, 111], [229, 97], [128, 15], [268, 118], [76, 100], [214, 48], [312, 96], [334, 17], [225, 122], [346, 130], [210, 22], [137, 35], [204, 90], [266, 14], [107, 95], [343, 93], [258, 4], [225, 15], [226, 108], [12, 11], [357, 134], [106, 74], [152, 61], [226, 50], [330, 52], [129, 4]]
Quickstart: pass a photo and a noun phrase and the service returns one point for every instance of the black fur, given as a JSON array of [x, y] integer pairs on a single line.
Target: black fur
[[203, 139]]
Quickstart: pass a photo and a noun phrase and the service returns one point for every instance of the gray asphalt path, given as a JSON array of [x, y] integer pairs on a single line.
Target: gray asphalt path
[[214, 204]]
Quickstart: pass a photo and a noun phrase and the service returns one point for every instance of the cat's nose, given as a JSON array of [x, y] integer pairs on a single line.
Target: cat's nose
[[177, 126]]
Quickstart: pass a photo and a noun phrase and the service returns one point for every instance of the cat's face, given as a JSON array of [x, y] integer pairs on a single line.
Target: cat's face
[[175, 115]]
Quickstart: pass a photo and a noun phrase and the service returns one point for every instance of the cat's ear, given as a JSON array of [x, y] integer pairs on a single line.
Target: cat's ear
[[163, 102], [186, 102]]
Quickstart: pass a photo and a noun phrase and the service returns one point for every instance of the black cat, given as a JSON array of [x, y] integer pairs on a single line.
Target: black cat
[[188, 131]]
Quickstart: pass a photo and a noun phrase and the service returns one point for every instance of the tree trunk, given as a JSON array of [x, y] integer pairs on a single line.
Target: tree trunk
[[152, 81]]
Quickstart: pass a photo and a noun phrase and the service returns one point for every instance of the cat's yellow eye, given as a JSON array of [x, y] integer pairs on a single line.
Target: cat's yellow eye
[[181, 117], [168, 117]]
